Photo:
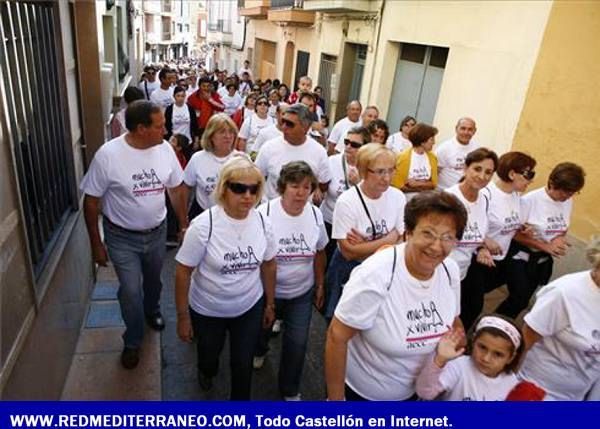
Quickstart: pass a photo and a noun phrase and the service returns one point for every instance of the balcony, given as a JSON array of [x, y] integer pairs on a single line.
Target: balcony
[[166, 6], [341, 6], [290, 12], [255, 9]]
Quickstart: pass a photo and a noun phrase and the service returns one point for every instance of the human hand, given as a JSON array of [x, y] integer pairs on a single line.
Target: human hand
[[393, 236], [319, 297], [354, 237], [269, 316], [492, 246], [317, 197], [449, 347], [353, 175], [184, 328], [484, 257], [556, 248], [100, 254]]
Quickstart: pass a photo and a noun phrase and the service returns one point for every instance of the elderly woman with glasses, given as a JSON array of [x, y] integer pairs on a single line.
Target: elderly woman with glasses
[[490, 269], [397, 305], [366, 216], [225, 277], [301, 239], [253, 124], [416, 168], [547, 213]]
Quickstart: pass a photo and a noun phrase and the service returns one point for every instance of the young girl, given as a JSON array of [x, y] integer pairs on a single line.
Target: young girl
[[181, 146], [486, 374]]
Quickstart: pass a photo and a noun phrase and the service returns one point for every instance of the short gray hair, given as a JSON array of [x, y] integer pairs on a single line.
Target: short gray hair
[[300, 110]]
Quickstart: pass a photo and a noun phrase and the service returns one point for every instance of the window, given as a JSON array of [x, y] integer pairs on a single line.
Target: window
[[36, 122]]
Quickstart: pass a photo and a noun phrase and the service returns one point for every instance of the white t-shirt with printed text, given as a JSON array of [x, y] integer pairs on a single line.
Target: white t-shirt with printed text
[[338, 184], [132, 182], [231, 103], [548, 218], [338, 132], [181, 120], [420, 167], [398, 143], [298, 238], [504, 217], [266, 134], [250, 127], [398, 328], [565, 362], [163, 97], [451, 161], [226, 280]]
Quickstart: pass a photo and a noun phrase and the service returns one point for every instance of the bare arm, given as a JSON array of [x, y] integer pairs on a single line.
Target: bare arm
[[557, 247], [412, 185], [352, 250], [241, 144], [183, 275], [320, 264], [530, 337], [336, 348], [268, 273], [91, 211], [178, 196]]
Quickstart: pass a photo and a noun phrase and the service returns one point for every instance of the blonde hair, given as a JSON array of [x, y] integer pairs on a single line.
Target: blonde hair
[[593, 252], [216, 123], [368, 154], [239, 167]]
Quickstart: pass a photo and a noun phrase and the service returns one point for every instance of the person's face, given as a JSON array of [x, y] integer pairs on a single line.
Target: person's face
[[179, 98], [274, 97], [560, 195], [173, 143], [369, 116], [296, 194], [237, 202], [262, 106], [151, 75], [318, 91], [309, 103], [206, 87], [172, 78], [431, 242], [282, 91], [231, 91], [293, 131], [378, 136], [380, 172], [521, 180], [428, 144], [191, 80], [352, 144], [479, 174], [407, 127], [491, 354], [251, 103], [153, 134], [223, 139], [465, 130], [304, 85], [353, 112]]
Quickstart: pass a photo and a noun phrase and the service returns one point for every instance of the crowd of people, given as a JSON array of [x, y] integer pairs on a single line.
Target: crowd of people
[[394, 239]]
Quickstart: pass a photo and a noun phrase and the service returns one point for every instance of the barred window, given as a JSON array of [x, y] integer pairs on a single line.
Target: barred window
[[35, 117]]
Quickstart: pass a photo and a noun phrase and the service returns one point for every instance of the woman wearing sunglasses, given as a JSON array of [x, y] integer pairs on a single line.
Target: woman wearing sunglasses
[[491, 269], [416, 168], [225, 277], [547, 213], [253, 124], [301, 239], [366, 216]]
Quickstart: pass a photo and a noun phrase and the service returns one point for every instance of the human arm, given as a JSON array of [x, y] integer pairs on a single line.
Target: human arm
[[183, 275], [484, 257], [268, 274], [241, 144], [336, 348], [530, 336], [179, 196], [320, 264], [557, 247], [353, 248], [91, 211], [413, 185]]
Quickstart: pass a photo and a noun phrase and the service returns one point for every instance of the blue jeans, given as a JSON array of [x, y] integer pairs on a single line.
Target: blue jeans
[[138, 260], [338, 274], [243, 335], [296, 314]]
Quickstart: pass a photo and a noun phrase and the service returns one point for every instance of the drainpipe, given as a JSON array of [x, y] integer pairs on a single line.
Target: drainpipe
[[381, 9]]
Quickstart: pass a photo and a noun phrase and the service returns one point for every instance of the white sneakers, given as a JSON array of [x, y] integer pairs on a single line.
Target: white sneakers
[[276, 329], [296, 397]]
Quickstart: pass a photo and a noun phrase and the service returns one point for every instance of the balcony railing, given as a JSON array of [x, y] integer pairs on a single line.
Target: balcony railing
[[286, 4]]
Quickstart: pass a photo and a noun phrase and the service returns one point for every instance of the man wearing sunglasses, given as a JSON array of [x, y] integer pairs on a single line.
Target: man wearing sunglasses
[[294, 145], [149, 83]]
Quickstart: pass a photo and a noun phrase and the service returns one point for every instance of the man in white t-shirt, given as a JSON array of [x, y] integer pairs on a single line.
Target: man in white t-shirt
[[335, 141], [126, 183], [150, 83], [451, 153], [163, 96], [295, 145], [246, 69]]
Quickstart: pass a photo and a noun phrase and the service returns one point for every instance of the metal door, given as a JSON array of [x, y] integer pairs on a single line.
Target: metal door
[[301, 66], [357, 74], [326, 71]]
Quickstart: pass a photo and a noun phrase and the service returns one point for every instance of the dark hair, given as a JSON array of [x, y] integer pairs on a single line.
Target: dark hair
[[406, 120], [162, 74], [379, 124], [182, 141], [140, 112], [149, 68], [326, 119], [567, 176], [518, 353], [250, 96], [204, 79], [262, 97], [514, 161], [304, 95], [276, 83], [229, 85], [296, 172], [482, 154], [178, 89], [362, 131], [436, 202], [132, 93], [420, 133]]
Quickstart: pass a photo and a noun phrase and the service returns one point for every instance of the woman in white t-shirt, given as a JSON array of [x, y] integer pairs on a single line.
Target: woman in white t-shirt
[[397, 305], [399, 142], [202, 171], [562, 333], [416, 168], [253, 124], [490, 269], [180, 118], [366, 216], [485, 373], [344, 174], [225, 277], [301, 239], [231, 100], [547, 213]]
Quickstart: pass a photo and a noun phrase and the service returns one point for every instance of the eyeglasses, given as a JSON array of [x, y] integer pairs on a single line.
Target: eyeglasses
[[262, 103], [430, 238], [241, 188], [382, 172], [528, 174], [288, 123], [355, 145]]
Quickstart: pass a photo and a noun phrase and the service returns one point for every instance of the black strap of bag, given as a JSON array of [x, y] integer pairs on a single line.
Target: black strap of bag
[[362, 200]]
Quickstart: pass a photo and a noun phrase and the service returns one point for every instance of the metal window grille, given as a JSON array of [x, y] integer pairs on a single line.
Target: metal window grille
[[36, 122]]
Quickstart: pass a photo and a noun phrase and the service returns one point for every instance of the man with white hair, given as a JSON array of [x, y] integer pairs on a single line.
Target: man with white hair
[[335, 142], [451, 153]]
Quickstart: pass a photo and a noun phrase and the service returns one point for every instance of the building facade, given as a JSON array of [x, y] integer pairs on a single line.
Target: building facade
[[167, 27]]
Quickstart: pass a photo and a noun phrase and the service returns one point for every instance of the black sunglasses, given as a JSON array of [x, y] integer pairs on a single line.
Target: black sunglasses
[[241, 188], [355, 145], [288, 123], [528, 174], [262, 103]]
